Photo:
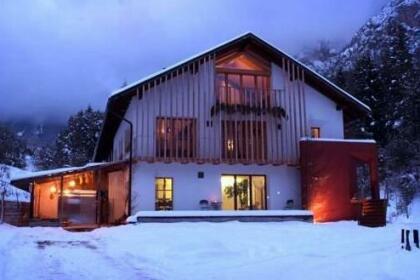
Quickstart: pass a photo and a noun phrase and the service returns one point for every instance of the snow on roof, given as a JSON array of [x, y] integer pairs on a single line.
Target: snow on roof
[[338, 140], [320, 76], [16, 194], [51, 172], [174, 66]]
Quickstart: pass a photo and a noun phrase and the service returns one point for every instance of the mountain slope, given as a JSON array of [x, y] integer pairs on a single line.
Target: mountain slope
[[371, 38]]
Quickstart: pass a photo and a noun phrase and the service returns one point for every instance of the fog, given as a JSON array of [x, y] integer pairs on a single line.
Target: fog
[[59, 56]]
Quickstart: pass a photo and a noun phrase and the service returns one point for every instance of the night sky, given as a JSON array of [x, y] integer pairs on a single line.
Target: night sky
[[59, 56]]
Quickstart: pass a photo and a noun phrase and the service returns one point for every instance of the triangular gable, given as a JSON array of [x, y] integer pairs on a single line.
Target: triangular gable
[[120, 99]]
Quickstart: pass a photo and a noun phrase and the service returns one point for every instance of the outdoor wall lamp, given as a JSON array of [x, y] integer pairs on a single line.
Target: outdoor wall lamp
[[53, 190]]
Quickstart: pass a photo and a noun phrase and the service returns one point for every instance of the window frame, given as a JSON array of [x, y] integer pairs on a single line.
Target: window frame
[[157, 205], [166, 145], [250, 176]]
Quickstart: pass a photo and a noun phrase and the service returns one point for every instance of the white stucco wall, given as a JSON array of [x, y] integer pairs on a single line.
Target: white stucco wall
[[322, 112], [283, 183]]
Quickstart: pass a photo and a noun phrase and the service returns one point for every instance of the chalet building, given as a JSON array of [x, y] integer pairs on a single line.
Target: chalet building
[[242, 126]]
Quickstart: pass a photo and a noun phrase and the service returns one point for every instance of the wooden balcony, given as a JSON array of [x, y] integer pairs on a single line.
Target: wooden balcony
[[187, 117]]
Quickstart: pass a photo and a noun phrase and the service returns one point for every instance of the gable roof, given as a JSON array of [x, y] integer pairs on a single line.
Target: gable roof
[[119, 99]]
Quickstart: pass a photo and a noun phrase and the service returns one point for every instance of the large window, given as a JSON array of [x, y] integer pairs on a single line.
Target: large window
[[243, 192], [243, 78], [235, 89], [244, 140], [164, 193], [175, 137]]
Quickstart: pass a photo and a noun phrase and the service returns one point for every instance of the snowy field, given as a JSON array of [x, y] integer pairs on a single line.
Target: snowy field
[[232, 250]]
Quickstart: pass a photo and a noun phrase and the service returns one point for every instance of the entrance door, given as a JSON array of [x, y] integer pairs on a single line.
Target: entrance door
[[243, 196], [243, 192], [46, 197], [117, 197]]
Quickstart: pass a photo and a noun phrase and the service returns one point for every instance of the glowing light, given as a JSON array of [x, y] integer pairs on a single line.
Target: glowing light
[[72, 183], [66, 191], [53, 189], [230, 144], [227, 180]]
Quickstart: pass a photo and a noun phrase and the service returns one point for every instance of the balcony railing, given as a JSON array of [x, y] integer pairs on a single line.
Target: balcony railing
[[246, 101], [187, 118]]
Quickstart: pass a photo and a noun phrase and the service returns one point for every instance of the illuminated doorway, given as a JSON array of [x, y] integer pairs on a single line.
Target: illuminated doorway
[[243, 192]]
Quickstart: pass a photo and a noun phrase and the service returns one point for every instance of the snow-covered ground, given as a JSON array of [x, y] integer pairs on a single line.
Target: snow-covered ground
[[231, 250]]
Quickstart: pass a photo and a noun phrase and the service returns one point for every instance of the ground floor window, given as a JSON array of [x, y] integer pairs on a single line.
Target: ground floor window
[[243, 192], [164, 193]]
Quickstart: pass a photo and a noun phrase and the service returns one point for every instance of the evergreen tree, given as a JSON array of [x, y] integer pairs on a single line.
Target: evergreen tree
[[339, 78], [366, 86], [396, 73], [44, 157], [76, 144], [12, 149]]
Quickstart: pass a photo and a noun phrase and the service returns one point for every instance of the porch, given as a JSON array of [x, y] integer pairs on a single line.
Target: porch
[[88, 196]]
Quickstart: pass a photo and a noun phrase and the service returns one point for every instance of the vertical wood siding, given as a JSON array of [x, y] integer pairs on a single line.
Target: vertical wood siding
[[190, 93]]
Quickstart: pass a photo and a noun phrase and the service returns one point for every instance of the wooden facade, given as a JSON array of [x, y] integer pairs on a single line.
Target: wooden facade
[[220, 106], [15, 212], [84, 196], [219, 109]]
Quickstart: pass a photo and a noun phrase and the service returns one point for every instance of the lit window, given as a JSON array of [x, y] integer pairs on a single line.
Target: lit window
[[315, 132], [244, 140], [175, 137], [164, 193], [230, 145]]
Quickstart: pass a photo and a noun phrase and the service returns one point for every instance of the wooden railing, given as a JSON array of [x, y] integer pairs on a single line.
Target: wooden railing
[[185, 117]]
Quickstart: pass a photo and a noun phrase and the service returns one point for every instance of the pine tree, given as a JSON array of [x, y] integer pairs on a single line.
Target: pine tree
[[366, 86], [396, 73], [12, 149], [75, 145], [44, 158]]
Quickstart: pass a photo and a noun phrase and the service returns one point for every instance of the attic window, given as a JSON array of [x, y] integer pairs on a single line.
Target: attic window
[[243, 61]]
